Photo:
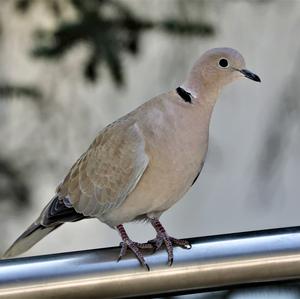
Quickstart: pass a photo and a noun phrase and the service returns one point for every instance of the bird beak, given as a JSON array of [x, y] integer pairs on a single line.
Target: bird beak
[[250, 75]]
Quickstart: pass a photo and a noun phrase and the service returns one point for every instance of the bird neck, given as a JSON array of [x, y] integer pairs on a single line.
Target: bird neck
[[203, 93]]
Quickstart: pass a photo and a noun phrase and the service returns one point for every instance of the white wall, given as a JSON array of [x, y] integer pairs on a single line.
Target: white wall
[[235, 191]]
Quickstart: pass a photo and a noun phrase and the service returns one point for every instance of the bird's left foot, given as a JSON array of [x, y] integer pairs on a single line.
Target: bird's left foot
[[163, 238]]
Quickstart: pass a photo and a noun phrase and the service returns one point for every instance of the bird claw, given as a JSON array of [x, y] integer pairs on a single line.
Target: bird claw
[[135, 248], [156, 243], [163, 238], [185, 244]]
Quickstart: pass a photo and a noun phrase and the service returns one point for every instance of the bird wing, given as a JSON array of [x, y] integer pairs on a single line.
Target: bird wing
[[108, 171]]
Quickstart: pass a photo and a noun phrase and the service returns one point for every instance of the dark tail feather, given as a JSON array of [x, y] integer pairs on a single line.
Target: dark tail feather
[[31, 236], [54, 215]]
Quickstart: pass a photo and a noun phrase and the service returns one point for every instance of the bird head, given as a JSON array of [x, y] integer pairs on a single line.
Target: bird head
[[220, 66]]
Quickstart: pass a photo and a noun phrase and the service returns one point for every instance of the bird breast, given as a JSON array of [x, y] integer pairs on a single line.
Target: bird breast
[[176, 144]]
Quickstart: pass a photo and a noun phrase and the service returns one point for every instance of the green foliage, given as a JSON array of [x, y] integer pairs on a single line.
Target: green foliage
[[109, 28]]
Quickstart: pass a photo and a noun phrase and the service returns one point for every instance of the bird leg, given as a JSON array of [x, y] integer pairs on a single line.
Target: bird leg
[[133, 246], [163, 238]]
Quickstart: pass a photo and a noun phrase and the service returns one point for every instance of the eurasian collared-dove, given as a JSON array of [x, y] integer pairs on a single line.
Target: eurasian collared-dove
[[143, 163]]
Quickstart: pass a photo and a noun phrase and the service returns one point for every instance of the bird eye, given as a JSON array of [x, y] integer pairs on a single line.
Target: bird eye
[[223, 62]]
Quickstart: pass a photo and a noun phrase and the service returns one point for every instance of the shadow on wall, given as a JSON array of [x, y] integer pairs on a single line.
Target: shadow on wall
[[109, 29]]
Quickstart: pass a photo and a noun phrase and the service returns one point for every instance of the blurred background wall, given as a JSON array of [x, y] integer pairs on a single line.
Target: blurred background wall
[[68, 68]]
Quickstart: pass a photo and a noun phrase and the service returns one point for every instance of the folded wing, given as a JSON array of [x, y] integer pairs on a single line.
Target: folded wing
[[108, 171]]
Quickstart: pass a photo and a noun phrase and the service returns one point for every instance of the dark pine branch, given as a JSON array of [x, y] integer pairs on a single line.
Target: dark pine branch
[[14, 91], [108, 35], [12, 186]]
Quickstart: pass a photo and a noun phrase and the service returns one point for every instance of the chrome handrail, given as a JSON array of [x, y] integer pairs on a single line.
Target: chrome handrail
[[220, 261]]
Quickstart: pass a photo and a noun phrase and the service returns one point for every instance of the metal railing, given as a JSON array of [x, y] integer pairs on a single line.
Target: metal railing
[[221, 262]]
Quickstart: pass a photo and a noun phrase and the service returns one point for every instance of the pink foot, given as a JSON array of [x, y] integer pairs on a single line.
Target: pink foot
[[133, 246], [163, 238]]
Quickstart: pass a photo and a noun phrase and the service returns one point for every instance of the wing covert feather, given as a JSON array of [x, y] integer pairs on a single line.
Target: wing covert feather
[[108, 171]]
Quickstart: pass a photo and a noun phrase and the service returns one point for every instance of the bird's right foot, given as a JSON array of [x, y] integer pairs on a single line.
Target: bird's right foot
[[133, 246]]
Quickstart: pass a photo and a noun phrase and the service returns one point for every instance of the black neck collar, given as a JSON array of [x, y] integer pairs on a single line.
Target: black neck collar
[[186, 96]]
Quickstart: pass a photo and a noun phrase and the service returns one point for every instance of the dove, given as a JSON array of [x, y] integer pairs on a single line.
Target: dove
[[143, 163]]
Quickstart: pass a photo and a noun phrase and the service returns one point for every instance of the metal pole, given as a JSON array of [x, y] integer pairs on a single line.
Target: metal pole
[[213, 262]]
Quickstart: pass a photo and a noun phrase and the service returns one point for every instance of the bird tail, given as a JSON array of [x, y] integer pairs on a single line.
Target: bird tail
[[30, 237], [57, 212]]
